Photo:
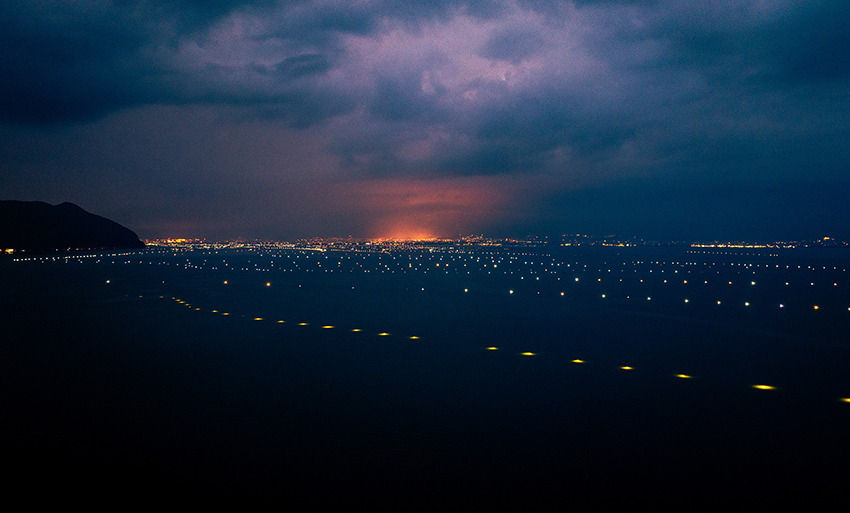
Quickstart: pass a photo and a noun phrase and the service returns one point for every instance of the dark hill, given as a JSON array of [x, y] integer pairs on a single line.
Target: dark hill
[[38, 226]]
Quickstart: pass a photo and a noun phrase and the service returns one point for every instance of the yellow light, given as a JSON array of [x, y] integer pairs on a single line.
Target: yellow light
[[492, 348], [268, 284], [383, 334], [845, 399], [327, 327], [627, 367], [414, 338], [764, 387], [303, 324], [280, 322], [578, 361], [225, 282], [528, 354], [258, 318], [683, 376], [225, 313], [215, 311], [816, 307]]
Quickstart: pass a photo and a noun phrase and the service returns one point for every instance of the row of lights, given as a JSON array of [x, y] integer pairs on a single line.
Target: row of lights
[[327, 326], [746, 303], [491, 348]]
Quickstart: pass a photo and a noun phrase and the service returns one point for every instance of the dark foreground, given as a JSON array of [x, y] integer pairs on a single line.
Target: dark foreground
[[122, 373]]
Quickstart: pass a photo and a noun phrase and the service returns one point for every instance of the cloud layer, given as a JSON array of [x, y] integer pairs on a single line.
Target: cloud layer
[[532, 101]]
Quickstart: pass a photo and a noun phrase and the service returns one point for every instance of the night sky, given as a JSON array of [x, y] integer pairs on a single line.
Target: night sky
[[271, 119]]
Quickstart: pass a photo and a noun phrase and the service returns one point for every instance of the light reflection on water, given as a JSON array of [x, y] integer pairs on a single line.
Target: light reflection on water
[[406, 377]]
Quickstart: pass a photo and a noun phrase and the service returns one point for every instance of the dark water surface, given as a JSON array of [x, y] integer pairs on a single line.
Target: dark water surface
[[122, 372]]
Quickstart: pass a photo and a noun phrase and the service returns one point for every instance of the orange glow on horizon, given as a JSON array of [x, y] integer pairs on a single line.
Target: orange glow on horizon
[[423, 209], [406, 234]]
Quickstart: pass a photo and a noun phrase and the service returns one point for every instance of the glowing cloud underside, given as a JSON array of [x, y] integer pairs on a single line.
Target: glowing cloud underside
[[413, 209]]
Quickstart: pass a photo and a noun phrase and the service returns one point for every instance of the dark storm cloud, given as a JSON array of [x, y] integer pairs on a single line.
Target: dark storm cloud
[[306, 64], [513, 44], [57, 61], [76, 62], [398, 93], [665, 71], [734, 40], [817, 42], [68, 63], [569, 95]]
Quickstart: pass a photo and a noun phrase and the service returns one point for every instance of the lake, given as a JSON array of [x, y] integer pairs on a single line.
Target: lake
[[411, 377]]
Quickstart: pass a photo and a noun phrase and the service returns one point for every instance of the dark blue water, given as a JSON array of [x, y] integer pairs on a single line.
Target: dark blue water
[[123, 370]]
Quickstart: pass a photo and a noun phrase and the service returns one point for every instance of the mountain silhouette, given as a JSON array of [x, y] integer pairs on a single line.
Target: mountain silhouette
[[38, 226]]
